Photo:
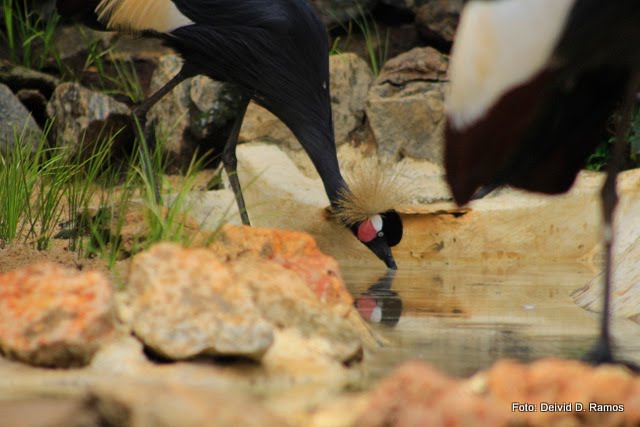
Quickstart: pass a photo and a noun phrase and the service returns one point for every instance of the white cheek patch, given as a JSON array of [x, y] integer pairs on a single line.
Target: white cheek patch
[[376, 315], [376, 221]]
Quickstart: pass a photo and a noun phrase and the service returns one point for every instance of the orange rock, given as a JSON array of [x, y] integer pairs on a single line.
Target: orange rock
[[556, 381], [54, 316], [418, 395], [295, 251]]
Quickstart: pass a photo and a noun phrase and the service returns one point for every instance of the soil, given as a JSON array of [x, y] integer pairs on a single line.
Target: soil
[[16, 256]]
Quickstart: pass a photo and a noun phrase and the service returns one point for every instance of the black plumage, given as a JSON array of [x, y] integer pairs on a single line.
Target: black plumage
[[276, 53]]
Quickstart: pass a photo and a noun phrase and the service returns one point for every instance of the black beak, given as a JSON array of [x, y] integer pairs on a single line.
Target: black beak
[[383, 251]]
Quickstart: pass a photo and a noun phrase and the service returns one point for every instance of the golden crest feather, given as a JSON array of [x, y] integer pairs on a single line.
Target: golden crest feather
[[374, 188], [139, 15]]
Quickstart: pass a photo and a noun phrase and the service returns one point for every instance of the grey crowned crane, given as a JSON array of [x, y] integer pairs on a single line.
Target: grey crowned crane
[[533, 84], [276, 53]]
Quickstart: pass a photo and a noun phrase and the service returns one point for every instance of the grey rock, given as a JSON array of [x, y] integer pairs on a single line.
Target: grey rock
[[16, 121], [81, 116], [184, 303], [406, 107]]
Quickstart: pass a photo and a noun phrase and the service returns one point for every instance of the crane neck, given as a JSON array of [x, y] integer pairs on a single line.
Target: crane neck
[[321, 148]]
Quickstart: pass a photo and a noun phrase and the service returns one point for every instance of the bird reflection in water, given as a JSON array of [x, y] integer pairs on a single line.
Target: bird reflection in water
[[380, 304]]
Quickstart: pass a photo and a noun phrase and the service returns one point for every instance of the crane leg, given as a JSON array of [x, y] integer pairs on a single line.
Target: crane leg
[[230, 161], [602, 351], [139, 114]]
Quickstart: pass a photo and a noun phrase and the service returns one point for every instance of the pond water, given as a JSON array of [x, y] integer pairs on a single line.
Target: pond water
[[462, 319]]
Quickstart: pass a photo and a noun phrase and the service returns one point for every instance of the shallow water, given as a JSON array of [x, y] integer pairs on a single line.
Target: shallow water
[[462, 319]]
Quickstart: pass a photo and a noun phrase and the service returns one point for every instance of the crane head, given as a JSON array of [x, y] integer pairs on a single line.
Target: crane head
[[380, 233]]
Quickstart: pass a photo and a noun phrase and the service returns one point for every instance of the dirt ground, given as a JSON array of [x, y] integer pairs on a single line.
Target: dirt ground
[[15, 256]]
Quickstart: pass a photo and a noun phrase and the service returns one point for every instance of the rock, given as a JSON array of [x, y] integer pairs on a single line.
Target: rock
[[192, 112], [310, 313], [17, 78], [350, 82], [626, 274], [351, 79], [184, 303], [138, 404], [561, 381], [275, 293], [53, 316], [171, 113], [35, 102], [416, 394], [278, 195], [260, 124], [300, 291], [174, 405], [214, 105], [47, 412], [15, 119], [418, 64], [335, 11], [404, 5], [437, 21], [506, 227], [294, 251], [626, 286], [210, 209], [73, 41], [82, 117], [406, 105]]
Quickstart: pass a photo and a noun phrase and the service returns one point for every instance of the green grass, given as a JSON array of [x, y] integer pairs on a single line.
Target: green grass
[[115, 76], [18, 174], [45, 188], [376, 45], [27, 36], [599, 159]]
